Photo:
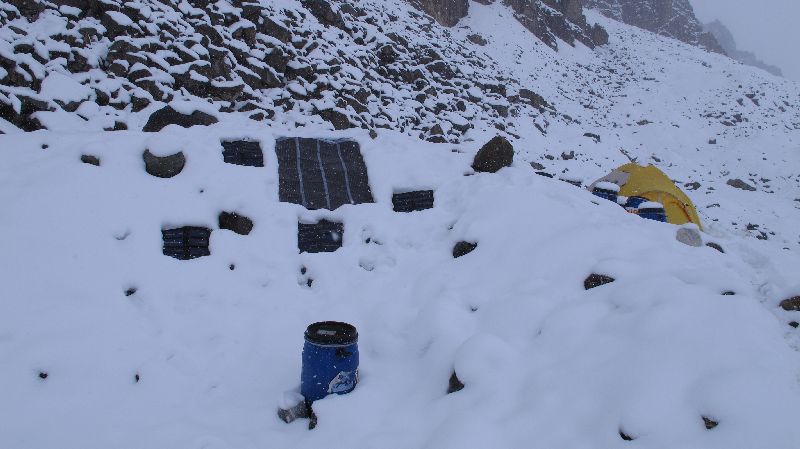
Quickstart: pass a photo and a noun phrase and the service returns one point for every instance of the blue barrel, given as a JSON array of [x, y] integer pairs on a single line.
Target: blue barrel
[[653, 211], [330, 360]]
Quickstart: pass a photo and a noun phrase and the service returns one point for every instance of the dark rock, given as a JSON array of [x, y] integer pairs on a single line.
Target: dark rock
[[454, 384], [163, 167], [169, 116], [494, 155], [446, 12], [716, 246], [794, 324], [625, 436], [235, 222], [739, 184], [536, 100], [130, 292], [89, 159], [323, 11], [596, 280], [596, 137], [692, 185], [463, 248], [709, 423], [477, 39], [568, 156], [729, 293], [537, 166], [338, 119], [791, 304], [544, 173], [712, 141], [387, 54], [43, 375]]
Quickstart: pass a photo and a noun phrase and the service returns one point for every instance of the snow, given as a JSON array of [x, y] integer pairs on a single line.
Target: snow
[[120, 18], [545, 363]]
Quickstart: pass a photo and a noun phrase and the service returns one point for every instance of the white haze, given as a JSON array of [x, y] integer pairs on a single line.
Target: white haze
[[766, 27]]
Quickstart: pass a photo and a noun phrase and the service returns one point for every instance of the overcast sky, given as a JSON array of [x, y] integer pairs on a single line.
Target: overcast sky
[[769, 28]]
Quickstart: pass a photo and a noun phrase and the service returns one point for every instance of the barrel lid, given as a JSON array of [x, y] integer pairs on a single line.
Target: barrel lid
[[331, 333]]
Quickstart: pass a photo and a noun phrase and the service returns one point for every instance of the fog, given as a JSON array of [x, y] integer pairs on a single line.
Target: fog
[[766, 27]]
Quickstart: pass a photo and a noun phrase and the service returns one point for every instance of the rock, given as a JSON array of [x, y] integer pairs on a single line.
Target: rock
[[596, 280], [536, 100], [568, 156], [387, 54], [712, 141], [454, 384], [130, 292], [729, 293], [595, 137], [494, 155], [446, 12], [477, 39], [739, 184], [89, 159], [791, 304], [163, 167], [463, 248], [794, 324], [709, 423], [323, 11], [689, 236], [716, 246], [235, 222], [692, 185], [537, 166], [169, 116], [336, 118]]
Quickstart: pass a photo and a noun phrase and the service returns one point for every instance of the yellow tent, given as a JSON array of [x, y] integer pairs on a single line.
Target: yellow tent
[[651, 183]]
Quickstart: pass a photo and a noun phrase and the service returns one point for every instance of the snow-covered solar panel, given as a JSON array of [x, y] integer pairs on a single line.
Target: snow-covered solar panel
[[321, 237], [321, 174], [188, 242], [412, 201], [243, 152]]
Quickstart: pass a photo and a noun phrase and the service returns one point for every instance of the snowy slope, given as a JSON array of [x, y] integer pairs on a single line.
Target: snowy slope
[[546, 363], [200, 355]]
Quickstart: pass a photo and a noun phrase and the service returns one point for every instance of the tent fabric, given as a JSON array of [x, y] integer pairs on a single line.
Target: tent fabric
[[651, 183], [320, 173]]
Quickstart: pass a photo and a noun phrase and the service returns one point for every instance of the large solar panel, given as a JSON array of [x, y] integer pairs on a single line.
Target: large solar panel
[[188, 242], [321, 174]]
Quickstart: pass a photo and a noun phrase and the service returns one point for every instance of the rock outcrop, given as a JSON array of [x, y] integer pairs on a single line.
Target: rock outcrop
[[670, 18]]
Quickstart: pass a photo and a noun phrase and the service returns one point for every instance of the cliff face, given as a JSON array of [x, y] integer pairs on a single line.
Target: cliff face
[[723, 35], [549, 20], [670, 18]]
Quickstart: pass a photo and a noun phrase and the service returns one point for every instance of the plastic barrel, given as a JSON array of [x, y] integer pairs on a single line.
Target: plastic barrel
[[330, 360]]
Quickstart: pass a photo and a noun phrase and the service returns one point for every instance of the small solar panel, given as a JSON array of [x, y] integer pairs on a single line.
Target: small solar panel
[[412, 201], [321, 174], [188, 242], [243, 152], [321, 237]]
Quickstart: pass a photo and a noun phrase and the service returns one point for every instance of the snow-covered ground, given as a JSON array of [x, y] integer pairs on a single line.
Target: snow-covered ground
[[545, 363], [200, 355]]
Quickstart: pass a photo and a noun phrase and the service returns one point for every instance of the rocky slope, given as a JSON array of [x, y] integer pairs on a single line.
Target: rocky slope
[[725, 38], [365, 64], [671, 18]]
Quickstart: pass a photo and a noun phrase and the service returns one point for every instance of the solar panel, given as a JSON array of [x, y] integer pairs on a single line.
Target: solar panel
[[243, 152], [323, 236], [321, 174], [188, 242], [412, 201]]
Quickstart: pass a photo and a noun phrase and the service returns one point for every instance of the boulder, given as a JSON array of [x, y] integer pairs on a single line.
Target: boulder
[[494, 155], [463, 248], [163, 166], [739, 184], [596, 280], [689, 236], [454, 384], [716, 246], [169, 116], [791, 304], [235, 222], [89, 159]]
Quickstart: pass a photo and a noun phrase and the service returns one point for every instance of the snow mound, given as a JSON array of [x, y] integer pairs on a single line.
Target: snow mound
[[98, 326]]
